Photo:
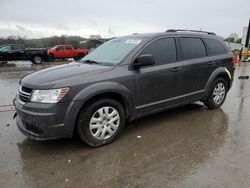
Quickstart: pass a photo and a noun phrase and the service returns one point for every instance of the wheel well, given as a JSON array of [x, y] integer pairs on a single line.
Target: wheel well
[[36, 55], [226, 77], [112, 95]]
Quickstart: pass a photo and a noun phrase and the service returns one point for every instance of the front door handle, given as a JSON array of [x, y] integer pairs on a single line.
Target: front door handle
[[175, 69]]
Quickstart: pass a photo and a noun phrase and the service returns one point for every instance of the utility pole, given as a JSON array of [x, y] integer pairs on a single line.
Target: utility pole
[[248, 35]]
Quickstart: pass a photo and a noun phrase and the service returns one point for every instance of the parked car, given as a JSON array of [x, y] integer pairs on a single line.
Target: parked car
[[66, 51], [17, 52], [124, 79]]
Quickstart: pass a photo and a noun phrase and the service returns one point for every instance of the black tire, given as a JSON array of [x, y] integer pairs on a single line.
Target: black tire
[[210, 101], [37, 59], [4, 62], [83, 122]]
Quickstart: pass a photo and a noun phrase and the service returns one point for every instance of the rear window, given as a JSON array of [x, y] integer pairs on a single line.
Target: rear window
[[215, 47], [192, 48]]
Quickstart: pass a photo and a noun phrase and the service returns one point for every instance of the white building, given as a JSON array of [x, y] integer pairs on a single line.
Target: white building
[[244, 36]]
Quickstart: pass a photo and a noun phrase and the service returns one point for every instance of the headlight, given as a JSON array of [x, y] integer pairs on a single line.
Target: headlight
[[48, 96]]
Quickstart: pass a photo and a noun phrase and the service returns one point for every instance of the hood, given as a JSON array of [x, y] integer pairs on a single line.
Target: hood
[[46, 78]]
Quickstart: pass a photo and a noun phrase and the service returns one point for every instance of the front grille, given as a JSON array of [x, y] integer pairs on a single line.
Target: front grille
[[27, 90], [24, 93]]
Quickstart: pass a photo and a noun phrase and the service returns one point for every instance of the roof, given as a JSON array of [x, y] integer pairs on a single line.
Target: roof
[[173, 32]]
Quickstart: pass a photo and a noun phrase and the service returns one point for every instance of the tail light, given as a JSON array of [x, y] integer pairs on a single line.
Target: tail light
[[233, 58]]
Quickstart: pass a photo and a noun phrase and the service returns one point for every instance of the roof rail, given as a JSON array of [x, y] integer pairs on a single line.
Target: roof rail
[[195, 31]]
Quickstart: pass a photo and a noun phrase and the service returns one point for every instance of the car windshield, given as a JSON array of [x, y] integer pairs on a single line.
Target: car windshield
[[54, 48], [5, 48], [112, 52]]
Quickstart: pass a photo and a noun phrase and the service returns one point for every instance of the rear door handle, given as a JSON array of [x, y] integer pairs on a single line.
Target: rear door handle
[[175, 69], [211, 63]]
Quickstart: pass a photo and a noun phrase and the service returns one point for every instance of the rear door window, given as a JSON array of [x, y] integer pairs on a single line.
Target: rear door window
[[192, 48], [163, 51], [17, 48], [215, 47], [68, 48]]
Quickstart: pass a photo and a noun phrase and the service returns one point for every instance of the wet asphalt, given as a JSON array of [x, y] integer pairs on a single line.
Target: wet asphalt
[[189, 146]]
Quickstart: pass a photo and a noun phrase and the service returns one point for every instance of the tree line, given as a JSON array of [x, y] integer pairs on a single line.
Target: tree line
[[234, 38]]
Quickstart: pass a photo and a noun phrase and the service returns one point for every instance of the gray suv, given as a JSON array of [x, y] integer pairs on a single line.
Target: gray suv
[[124, 79]]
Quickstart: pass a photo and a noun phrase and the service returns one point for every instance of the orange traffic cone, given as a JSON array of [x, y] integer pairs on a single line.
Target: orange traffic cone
[[236, 61]]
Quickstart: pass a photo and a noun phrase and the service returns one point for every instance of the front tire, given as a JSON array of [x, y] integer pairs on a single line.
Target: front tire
[[4, 62], [217, 94], [36, 59], [101, 122]]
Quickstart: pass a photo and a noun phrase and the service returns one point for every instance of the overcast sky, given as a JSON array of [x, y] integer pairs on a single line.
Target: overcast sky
[[43, 18]]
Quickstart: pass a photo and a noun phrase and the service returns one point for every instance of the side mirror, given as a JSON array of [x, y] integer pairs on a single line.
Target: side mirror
[[143, 60]]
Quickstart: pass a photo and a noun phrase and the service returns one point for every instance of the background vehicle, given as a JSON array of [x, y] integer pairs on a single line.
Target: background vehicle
[[66, 51], [245, 55], [17, 52], [124, 79]]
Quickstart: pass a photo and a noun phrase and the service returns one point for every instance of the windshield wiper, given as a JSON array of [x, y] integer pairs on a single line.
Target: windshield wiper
[[91, 61]]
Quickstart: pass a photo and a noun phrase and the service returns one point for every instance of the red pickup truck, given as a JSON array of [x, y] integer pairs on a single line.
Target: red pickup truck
[[66, 51]]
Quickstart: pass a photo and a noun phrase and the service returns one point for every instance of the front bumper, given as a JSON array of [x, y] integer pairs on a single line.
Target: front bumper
[[45, 121]]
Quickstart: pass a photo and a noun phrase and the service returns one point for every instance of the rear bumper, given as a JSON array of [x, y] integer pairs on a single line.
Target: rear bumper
[[45, 121]]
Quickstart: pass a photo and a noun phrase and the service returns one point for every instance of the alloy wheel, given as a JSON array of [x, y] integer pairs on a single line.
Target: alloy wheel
[[219, 93]]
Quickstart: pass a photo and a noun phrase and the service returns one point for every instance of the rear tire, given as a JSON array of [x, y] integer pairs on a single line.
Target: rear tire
[[101, 122], [4, 62], [217, 94], [36, 59]]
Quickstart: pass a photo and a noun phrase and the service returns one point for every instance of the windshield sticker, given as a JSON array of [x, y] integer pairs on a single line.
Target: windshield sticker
[[133, 41]]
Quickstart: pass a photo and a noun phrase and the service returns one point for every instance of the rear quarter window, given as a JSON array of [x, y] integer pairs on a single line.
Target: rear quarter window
[[192, 48], [215, 47]]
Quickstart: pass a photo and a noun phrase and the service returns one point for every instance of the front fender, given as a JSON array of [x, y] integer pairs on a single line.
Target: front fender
[[106, 87]]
